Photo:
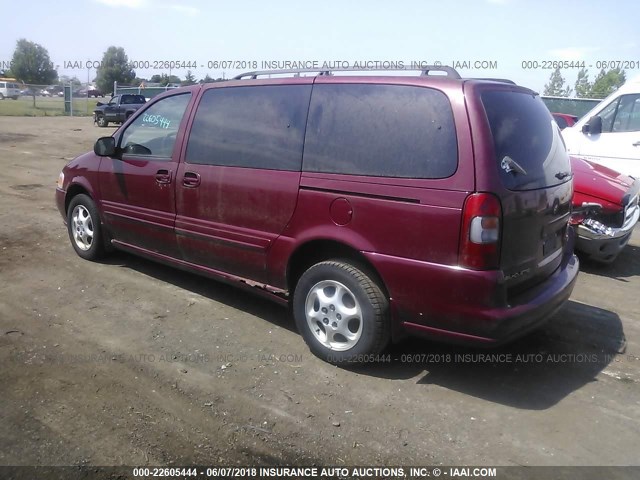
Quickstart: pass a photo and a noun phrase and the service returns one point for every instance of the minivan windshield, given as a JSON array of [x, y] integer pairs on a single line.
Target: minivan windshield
[[530, 152]]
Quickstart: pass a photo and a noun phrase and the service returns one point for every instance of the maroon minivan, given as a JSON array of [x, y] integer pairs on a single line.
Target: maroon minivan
[[376, 206]]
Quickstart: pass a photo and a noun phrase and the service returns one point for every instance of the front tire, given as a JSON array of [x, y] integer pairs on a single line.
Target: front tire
[[341, 312], [102, 121], [84, 227]]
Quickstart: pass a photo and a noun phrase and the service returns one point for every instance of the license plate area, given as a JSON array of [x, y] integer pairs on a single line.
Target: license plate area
[[551, 243]]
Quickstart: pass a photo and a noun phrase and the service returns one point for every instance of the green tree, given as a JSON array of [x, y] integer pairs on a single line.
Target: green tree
[[114, 68], [555, 87], [189, 79], [583, 86], [607, 82], [207, 79], [66, 80], [31, 64], [165, 79]]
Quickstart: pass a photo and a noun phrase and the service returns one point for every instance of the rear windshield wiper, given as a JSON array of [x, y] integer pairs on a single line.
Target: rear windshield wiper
[[509, 165]]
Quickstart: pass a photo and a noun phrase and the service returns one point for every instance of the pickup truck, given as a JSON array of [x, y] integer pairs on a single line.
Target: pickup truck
[[118, 110]]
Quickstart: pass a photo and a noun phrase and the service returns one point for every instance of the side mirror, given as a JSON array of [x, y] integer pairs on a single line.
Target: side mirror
[[105, 147], [594, 126]]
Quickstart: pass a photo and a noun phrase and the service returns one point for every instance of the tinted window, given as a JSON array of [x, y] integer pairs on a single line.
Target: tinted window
[[628, 114], [562, 123], [608, 114], [380, 130], [132, 99], [256, 127], [153, 133], [526, 138]]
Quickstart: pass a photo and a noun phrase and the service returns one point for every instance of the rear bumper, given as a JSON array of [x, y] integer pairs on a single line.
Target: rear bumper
[[465, 306]]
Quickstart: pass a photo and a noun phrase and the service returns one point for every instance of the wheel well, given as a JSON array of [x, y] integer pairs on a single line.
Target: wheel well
[[72, 191], [317, 251]]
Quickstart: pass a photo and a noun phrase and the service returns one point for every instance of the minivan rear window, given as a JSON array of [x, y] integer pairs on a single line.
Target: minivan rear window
[[380, 130], [530, 152]]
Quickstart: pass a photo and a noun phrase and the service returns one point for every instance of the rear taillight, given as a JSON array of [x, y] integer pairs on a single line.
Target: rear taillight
[[480, 234]]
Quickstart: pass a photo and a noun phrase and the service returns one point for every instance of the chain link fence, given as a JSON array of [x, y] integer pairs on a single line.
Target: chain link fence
[[47, 100], [19, 99], [149, 90]]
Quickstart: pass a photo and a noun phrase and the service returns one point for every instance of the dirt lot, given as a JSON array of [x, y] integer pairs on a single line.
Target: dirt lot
[[126, 362]]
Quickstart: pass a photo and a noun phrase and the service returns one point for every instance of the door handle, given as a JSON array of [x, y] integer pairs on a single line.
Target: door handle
[[191, 179], [637, 144], [163, 177]]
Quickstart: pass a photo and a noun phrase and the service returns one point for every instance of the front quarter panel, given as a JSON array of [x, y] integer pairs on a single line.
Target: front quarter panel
[[79, 175]]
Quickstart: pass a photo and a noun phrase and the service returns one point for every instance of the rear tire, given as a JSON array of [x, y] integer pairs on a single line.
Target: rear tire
[[341, 312]]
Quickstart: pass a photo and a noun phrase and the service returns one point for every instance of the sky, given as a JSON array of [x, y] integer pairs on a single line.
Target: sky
[[513, 39]]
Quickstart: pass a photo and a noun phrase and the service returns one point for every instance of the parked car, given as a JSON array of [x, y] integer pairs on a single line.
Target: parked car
[[376, 206], [564, 120], [118, 110], [55, 90], [605, 209], [9, 89], [610, 133], [89, 92]]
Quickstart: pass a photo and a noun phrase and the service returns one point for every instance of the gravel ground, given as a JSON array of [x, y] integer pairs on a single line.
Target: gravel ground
[[126, 362]]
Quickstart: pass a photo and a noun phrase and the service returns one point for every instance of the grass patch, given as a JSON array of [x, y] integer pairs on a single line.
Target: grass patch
[[46, 107]]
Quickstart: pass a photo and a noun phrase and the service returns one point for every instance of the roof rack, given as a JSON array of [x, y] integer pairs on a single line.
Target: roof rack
[[501, 80], [450, 72]]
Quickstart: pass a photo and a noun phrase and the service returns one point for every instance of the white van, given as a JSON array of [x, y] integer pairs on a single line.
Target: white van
[[609, 134], [9, 89]]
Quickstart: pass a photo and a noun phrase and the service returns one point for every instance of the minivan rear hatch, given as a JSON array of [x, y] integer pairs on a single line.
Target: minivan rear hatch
[[532, 178]]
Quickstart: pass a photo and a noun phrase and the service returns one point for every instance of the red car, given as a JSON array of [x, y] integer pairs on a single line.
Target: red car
[[377, 206], [605, 209], [564, 120]]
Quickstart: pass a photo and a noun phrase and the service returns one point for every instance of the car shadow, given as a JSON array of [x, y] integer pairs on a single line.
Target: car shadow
[[242, 299], [535, 372], [626, 265]]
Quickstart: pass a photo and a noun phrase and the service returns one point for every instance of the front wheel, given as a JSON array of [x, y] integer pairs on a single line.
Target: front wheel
[[102, 121], [85, 230], [341, 312]]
